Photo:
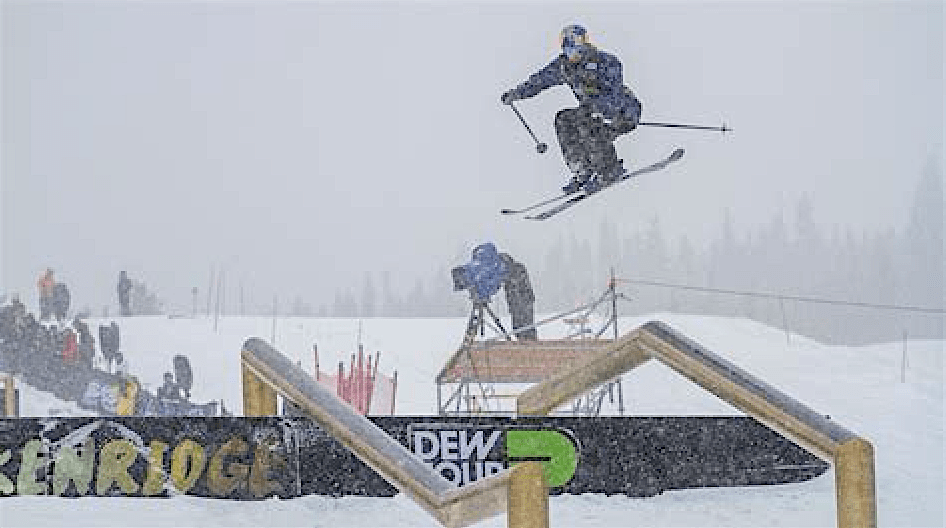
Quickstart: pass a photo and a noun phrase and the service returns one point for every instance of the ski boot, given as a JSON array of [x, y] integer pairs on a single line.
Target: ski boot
[[574, 185], [613, 173], [606, 177], [582, 175]]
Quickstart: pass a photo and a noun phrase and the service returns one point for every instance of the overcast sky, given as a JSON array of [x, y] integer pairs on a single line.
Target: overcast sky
[[301, 145]]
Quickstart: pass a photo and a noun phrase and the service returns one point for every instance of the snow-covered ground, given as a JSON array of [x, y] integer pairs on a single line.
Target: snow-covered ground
[[860, 387]]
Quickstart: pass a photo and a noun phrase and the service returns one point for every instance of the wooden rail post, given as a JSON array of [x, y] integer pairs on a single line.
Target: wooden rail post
[[854, 484], [528, 503], [9, 396], [259, 399]]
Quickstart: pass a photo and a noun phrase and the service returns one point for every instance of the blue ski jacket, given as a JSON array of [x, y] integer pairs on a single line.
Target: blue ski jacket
[[596, 79], [486, 272]]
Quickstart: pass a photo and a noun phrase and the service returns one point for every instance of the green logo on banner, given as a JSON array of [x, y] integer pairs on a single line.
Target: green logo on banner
[[557, 450]]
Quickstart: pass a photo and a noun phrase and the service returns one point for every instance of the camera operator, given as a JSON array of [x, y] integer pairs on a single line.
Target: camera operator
[[486, 273], [519, 298]]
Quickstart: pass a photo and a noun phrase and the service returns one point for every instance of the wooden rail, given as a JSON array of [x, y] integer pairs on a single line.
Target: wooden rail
[[9, 396], [266, 372], [852, 456]]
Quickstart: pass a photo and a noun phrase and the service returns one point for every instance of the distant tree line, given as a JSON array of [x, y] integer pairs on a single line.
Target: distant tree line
[[144, 301], [380, 297], [880, 277]]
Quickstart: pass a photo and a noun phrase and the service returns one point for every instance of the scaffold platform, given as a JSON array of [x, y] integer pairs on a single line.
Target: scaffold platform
[[498, 361]]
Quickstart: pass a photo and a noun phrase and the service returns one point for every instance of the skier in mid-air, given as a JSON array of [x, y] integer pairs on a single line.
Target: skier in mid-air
[[606, 108]]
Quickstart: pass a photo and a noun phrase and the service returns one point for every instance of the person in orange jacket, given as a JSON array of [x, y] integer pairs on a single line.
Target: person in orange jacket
[[45, 284], [70, 349]]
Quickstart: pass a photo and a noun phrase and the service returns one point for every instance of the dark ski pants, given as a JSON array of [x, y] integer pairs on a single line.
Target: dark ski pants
[[522, 317], [587, 142]]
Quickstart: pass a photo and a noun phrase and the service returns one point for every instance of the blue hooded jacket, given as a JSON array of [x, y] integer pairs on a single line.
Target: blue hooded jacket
[[596, 79], [486, 272]]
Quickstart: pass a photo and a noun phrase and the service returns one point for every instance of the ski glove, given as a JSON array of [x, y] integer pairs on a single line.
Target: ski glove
[[509, 97], [622, 125]]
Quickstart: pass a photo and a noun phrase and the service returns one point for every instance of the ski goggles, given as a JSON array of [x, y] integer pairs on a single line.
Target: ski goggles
[[571, 39]]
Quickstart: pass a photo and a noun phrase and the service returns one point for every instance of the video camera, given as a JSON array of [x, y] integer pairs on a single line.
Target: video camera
[[483, 275]]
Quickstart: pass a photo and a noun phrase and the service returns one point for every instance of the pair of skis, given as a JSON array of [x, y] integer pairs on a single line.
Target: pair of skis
[[573, 197]]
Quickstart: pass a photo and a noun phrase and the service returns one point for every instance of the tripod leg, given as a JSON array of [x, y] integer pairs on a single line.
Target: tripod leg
[[475, 325], [498, 324]]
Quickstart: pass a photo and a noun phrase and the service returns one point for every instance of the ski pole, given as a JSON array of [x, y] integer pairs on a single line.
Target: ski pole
[[539, 146], [723, 128]]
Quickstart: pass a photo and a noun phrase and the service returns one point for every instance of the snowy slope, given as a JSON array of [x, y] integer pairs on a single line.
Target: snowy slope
[[860, 387]]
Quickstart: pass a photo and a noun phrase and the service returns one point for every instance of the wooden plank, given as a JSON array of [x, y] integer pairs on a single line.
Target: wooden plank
[[594, 371], [517, 361]]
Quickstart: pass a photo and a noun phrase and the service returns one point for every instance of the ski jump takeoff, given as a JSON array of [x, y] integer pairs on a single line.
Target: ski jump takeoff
[[607, 109]]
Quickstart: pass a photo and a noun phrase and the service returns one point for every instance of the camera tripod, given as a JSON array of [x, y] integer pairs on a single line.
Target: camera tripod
[[477, 323]]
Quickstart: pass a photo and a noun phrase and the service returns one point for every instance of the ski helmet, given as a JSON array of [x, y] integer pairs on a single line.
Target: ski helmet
[[484, 252], [572, 38]]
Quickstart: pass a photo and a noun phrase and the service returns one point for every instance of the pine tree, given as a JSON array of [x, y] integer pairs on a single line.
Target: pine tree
[[368, 298], [924, 240], [143, 301]]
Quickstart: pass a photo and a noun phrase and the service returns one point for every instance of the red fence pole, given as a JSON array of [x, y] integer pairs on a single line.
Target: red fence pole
[[340, 381], [368, 386], [359, 382], [351, 382]]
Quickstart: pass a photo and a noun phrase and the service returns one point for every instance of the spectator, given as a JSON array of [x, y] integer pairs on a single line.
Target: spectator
[[124, 294], [121, 366], [109, 341], [7, 322], [64, 370], [11, 315], [183, 374], [170, 390], [11, 320], [86, 343], [25, 335], [45, 285], [70, 349], [60, 301]]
